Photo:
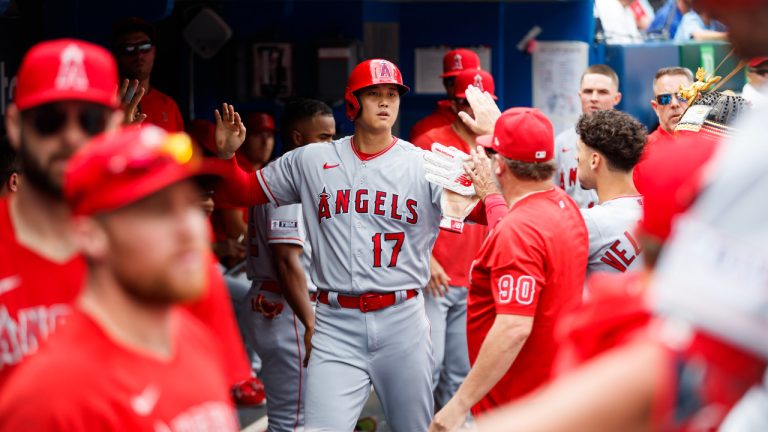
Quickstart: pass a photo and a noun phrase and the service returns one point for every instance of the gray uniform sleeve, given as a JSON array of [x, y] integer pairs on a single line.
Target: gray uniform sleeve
[[285, 225], [281, 178]]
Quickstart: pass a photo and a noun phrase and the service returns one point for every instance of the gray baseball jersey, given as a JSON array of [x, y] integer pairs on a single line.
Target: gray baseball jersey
[[367, 216], [612, 245], [566, 175], [269, 224]]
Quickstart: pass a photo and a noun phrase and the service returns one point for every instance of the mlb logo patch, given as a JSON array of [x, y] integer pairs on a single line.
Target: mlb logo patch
[[541, 154]]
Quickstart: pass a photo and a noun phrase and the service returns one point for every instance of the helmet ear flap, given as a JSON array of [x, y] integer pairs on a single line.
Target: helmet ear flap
[[353, 105]]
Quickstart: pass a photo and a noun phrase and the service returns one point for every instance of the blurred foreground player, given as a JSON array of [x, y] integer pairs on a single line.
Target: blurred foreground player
[[66, 93], [138, 221]]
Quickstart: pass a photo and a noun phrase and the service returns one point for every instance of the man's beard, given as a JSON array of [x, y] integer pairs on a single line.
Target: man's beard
[[38, 176]]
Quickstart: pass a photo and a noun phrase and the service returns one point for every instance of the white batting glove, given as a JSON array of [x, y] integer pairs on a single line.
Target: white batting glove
[[444, 167], [455, 209]]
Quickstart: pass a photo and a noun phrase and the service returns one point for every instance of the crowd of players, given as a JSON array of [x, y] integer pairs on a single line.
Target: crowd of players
[[610, 276]]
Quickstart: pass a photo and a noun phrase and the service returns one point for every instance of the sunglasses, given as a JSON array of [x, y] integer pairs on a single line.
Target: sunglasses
[[50, 119], [133, 49], [761, 72], [666, 98], [461, 101]]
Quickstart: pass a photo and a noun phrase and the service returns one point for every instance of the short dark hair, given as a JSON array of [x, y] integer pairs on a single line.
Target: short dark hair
[[616, 135], [602, 69], [131, 25], [9, 163], [533, 171], [298, 109], [673, 70]]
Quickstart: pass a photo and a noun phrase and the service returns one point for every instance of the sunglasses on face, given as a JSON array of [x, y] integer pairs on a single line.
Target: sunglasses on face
[[449, 81], [50, 119], [133, 49], [461, 101], [761, 72], [666, 98]]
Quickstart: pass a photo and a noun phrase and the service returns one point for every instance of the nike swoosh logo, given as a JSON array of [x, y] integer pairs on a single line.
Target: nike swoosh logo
[[9, 283], [327, 166], [145, 402]]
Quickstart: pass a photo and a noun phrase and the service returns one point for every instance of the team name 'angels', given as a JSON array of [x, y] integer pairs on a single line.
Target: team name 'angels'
[[379, 203]]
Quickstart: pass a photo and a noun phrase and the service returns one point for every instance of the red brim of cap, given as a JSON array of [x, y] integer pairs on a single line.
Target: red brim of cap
[[485, 140], [450, 73], [134, 189], [757, 61], [42, 98]]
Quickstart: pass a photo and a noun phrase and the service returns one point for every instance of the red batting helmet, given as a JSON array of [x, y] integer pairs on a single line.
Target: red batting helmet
[[369, 73]]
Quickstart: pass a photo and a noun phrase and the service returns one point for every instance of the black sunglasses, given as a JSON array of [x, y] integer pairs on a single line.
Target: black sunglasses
[[666, 98], [49, 119], [461, 101], [761, 72], [133, 49]]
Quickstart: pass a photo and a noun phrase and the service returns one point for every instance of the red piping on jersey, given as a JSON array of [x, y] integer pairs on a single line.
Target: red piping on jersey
[[368, 156], [301, 372], [263, 180]]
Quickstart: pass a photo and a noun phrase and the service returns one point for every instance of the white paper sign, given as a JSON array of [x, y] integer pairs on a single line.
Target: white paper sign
[[429, 67], [557, 69]]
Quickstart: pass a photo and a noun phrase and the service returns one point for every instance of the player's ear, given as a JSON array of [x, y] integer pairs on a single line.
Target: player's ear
[[13, 126], [296, 138], [91, 237], [13, 182], [595, 160]]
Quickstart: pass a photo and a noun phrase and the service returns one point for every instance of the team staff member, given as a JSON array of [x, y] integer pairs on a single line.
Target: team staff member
[[454, 62], [66, 93], [598, 90], [610, 144], [446, 297], [668, 106], [529, 270], [138, 221], [134, 43], [278, 263]]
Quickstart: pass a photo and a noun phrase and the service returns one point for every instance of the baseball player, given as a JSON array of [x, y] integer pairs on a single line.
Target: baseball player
[[281, 320], [446, 297], [598, 90], [610, 145], [129, 358], [372, 220], [529, 269], [66, 93], [454, 62]]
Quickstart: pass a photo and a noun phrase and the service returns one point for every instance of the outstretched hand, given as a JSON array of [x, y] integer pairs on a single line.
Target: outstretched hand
[[478, 168], [230, 131], [130, 105], [485, 109]]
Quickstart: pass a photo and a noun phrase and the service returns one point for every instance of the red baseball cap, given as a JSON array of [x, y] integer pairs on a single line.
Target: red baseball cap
[[120, 167], [757, 61], [66, 69], [457, 60], [260, 122], [474, 77], [671, 180], [522, 134]]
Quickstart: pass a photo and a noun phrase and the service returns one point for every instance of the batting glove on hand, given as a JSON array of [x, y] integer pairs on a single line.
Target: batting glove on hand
[[444, 167]]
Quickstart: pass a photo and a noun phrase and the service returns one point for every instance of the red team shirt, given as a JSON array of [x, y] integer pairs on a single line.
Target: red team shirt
[[161, 111], [36, 296], [83, 380], [442, 115], [532, 264], [454, 251], [650, 145]]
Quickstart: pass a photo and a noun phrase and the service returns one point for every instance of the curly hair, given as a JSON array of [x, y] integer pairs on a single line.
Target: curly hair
[[618, 136]]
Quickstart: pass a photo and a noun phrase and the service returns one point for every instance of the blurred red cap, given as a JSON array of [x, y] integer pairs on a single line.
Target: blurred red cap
[[671, 180], [757, 61], [260, 122], [120, 167], [66, 69], [457, 60], [478, 78], [522, 134]]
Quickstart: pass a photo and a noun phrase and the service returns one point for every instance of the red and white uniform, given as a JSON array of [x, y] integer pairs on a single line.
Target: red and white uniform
[[83, 380], [612, 244], [532, 264], [443, 115], [36, 295], [161, 110], [659, 135], [566, 173]]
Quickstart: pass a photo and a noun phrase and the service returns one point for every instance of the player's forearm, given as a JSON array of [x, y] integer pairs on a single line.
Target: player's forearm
[[709, 35], [497, 353], [236, 186], [293, 283]]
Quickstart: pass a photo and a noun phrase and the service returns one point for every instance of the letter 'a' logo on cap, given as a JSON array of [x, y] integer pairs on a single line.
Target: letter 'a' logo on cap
[[479, 82], [457, 62], [385, 72], [541, 154], [71, 75]]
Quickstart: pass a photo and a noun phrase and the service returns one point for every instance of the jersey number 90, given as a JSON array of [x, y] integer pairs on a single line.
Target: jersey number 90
[[523, 292]]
